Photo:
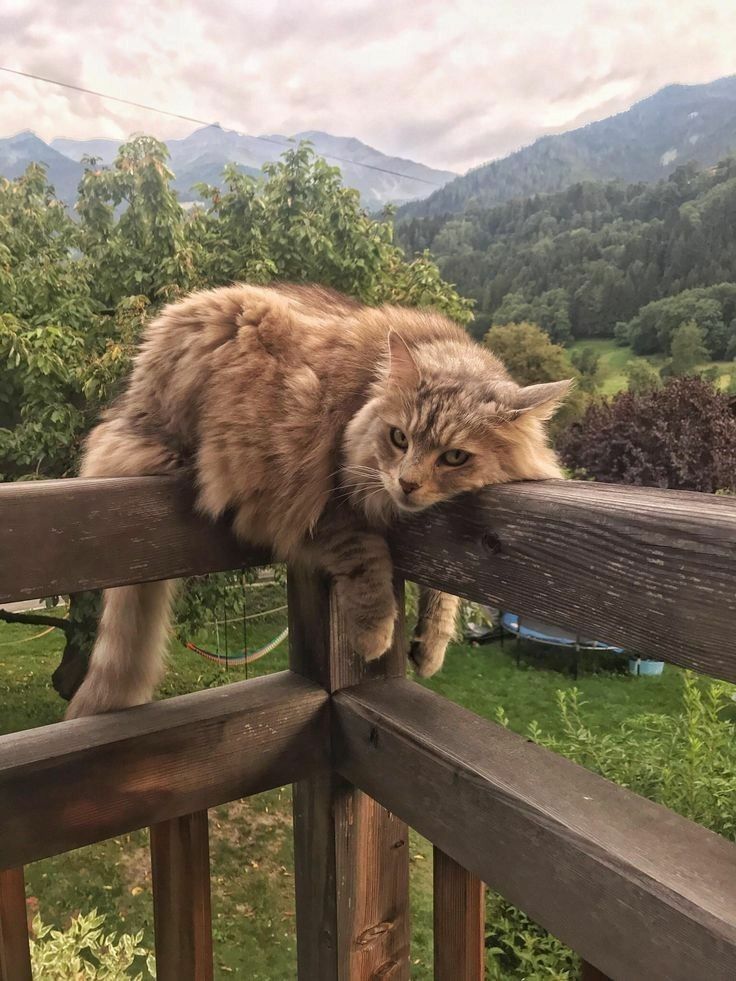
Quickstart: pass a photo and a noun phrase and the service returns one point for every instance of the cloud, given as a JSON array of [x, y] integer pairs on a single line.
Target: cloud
[[451, 85]]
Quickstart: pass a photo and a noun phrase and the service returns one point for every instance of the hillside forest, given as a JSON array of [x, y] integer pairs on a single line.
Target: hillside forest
[[600, 260]]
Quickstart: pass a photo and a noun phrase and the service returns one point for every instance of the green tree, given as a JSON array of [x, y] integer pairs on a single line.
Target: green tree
[[642, 376], [588, 363], [531, 357], [688, 349]]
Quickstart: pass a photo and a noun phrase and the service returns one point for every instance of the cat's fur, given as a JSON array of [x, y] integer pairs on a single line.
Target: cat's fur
[[279, 401]]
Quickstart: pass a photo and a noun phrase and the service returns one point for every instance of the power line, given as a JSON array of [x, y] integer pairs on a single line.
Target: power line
[[204, 122]]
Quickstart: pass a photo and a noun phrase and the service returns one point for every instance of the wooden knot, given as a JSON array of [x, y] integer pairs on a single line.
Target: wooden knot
[[491, 542], [373, 933]]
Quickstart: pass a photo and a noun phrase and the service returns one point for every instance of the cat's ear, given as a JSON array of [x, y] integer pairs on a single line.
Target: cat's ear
[[402, 368], [540, 400]]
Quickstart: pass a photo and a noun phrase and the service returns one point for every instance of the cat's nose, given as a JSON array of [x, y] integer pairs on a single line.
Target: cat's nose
[[407, 486]]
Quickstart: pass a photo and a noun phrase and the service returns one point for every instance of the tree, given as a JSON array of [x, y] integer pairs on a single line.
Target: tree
[[688, 349], [682, 437], [642, 376], [75, 296], [588, 362], [531, 357]]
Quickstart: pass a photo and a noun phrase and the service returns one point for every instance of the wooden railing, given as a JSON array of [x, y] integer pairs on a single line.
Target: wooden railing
[[637, 891]]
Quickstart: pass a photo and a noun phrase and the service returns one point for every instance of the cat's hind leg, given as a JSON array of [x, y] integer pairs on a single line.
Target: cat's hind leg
[[435, 629]]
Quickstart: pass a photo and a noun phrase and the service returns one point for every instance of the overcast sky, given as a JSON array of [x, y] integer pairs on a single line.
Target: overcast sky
[[451, 83]]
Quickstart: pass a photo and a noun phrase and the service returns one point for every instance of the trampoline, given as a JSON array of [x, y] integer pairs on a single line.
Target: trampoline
[[537, 632], [526, 628]]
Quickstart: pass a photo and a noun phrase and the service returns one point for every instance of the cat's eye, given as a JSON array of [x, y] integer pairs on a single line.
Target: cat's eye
[[454, 458], [398, 438]]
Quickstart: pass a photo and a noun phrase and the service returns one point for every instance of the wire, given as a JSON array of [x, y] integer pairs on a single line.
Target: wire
[[204, 122]]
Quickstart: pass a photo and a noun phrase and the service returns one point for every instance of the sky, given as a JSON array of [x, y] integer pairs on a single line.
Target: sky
[[450, 83]]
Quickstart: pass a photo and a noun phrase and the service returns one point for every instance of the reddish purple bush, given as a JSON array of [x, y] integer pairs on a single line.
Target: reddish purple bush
[[681, 436]]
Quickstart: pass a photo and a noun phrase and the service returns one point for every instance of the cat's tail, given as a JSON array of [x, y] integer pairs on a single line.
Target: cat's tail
[[128, 658]]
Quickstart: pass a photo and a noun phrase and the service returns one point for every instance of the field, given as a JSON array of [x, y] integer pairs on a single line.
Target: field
[[253, 888], [615, 358]]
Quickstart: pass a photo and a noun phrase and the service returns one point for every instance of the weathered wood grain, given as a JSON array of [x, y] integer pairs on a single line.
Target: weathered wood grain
[[180, 866], [631, 886], [15, 956], [459, 921], [78, 782], [351, 856], [62, 536], [649, 570]]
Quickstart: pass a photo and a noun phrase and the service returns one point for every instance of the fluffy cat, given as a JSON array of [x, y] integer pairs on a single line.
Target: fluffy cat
[[314, 421]]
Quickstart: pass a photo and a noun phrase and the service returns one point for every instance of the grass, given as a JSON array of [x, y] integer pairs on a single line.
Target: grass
[[251, 846], [615, 358]]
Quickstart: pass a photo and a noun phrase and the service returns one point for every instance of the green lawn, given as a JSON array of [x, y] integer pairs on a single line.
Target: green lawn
[[615, 358], [252, 860]]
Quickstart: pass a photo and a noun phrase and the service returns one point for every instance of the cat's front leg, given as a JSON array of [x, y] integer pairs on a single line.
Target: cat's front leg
[[434, 630], [360, 565]]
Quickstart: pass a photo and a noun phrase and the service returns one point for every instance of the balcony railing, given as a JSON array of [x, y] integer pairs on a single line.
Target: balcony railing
[[637, 891]]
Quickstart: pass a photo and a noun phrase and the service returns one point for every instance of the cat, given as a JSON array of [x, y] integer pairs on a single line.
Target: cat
[[314, 422]]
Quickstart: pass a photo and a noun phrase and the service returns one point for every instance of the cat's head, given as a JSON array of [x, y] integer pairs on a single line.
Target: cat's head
[[444, 418]]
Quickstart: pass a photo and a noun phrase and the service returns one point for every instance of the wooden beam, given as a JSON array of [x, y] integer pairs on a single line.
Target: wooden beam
[[180, 866], [351, 856], [78, 782], [15, 956], [628, 884], [649, 570], [64, 536], [633, 566], [459, 922]]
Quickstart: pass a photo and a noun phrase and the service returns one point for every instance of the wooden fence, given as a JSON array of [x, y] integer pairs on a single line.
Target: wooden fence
[[637, 891]]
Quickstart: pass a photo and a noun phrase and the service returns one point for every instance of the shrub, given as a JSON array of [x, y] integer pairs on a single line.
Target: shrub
[[686, 762], [682, 436], [85, 951]]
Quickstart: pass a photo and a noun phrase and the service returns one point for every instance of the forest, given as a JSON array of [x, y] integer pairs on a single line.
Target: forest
[[600, 259]]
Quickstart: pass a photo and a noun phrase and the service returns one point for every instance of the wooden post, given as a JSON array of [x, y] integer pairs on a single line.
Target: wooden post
[[351, 856], [15, 955], [181, 898], [459, 922]]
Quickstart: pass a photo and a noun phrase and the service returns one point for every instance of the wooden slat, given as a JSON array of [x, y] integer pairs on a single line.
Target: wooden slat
[[69, 535], [628, 884], [649, 570], [180, 866], [459, 921], [351, 855], [15, 957], [78, 782]]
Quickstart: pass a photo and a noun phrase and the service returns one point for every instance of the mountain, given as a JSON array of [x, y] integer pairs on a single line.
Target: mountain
[[679, 124], [600, 259], [25, 148], [201, 156]]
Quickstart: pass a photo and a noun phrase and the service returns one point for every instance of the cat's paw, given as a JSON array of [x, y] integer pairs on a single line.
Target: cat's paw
[[372, 642], [427, 656]]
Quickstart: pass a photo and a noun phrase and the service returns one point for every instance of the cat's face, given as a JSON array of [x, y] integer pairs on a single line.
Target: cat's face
[[433, 431]]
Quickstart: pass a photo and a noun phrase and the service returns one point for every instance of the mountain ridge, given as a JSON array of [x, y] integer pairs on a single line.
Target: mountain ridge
[[677, 124], [202, 155]]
